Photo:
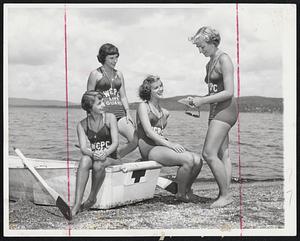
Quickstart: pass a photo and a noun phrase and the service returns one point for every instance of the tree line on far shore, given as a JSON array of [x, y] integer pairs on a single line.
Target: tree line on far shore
[[246, 104]]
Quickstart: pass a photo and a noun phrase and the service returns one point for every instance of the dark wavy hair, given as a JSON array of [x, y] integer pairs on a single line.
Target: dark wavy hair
[[106, 49], [88, 99], [145, 88]]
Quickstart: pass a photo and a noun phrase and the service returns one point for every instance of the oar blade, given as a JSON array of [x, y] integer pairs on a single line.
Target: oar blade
[[172, 188], [64, 208], [167, 184]]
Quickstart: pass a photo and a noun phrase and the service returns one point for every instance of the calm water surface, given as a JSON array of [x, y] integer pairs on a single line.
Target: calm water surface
[[41, 133]]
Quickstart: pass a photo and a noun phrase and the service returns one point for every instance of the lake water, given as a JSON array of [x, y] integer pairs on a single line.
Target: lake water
[[41, 133]]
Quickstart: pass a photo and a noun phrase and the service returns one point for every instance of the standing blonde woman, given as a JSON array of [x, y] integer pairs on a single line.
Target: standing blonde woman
[[223, 109]]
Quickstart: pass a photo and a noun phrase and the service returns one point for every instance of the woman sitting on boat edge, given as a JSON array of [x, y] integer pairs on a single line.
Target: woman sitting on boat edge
[[151, 120], [102, 131]]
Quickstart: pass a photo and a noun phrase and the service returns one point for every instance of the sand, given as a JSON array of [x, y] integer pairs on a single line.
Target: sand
[[262, 208]]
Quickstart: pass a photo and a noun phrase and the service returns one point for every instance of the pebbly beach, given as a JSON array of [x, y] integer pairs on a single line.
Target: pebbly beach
[[258, 205]]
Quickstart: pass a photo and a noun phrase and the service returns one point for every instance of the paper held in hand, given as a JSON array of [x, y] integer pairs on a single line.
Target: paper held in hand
[[186, 102], [190, 109]]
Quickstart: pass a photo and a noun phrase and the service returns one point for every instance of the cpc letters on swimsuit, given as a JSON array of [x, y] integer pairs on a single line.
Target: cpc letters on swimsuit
[[100, 146], [213, 88], [158, 130]]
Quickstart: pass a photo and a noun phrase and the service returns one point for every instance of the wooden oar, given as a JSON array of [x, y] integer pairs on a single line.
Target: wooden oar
[[60, 203], [167, 184]]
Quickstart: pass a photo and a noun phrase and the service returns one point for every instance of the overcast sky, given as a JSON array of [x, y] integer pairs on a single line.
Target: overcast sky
[[151, 40]]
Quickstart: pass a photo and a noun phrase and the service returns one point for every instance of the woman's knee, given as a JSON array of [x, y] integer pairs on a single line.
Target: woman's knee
[[85, 163], [198, 162], [189, 161], [98, 166], [208, 156]]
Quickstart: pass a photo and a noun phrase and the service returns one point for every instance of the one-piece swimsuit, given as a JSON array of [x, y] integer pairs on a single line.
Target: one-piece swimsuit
[[157, 123]]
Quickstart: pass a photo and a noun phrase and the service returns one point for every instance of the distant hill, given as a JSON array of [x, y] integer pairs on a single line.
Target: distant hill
[[246, 104], [22, 102]]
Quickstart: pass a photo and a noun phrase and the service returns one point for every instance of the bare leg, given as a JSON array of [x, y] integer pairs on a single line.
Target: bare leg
[[81, 179], [224, 156], [216, 134], [128, 131], [198, 163], [98, 175], [169, 157]]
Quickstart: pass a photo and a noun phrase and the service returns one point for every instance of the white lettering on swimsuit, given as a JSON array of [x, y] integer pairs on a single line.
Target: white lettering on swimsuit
[[112, 97], [158, 130], [213, 88], [100, 145]]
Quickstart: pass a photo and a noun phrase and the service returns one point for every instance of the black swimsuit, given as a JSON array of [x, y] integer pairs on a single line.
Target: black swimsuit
[[112, 99], [158, 124], [225, 111], [100, 140]]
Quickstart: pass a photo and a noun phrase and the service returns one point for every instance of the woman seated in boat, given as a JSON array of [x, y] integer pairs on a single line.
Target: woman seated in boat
[[151, 121], [102, 132]]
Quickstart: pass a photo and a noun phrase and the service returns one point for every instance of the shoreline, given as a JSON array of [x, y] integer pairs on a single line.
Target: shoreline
[[262, 208]]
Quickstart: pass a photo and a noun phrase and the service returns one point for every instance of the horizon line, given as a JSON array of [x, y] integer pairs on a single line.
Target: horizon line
[[136, 101]]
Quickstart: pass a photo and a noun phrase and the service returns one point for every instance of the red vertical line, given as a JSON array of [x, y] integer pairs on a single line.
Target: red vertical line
[[238, 104], [67, 107]]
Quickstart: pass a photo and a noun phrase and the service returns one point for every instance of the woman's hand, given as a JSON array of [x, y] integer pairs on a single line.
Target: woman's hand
[[196, 101], [177, 147], [99, 155], [129, 118]]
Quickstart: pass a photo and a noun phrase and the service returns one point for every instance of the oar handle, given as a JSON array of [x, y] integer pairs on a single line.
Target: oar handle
[[60, 203], [35, 173]]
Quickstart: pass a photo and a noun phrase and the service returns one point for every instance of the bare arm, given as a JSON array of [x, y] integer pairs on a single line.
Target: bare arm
[[114, 133], [123, 95], [92, 80], [82, 141]]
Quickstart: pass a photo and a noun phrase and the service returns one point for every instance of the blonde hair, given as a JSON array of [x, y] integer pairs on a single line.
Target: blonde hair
[[208, 34]]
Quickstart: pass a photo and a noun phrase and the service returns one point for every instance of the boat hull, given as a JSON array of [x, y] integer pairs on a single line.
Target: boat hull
[[123, 184]]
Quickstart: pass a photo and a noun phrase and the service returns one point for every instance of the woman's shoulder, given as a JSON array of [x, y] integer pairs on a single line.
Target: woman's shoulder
[[95, 73], [143, 106], [82, 123], [224, 57], [119, 73], [225, 60], [109, 118]]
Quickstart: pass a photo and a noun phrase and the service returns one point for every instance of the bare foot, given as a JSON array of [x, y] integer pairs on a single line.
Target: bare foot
[[181, 198], [222, 201], [87, 205], [74, 211], [189, 194]]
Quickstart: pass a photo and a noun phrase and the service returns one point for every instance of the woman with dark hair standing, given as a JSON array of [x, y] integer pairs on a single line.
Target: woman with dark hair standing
[[151, 121], [223, 109], [110, 82]]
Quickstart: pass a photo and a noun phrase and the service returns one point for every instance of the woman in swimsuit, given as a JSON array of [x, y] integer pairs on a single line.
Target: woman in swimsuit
[[223, 109], [102, 132], [110, 82], [151, 121]]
